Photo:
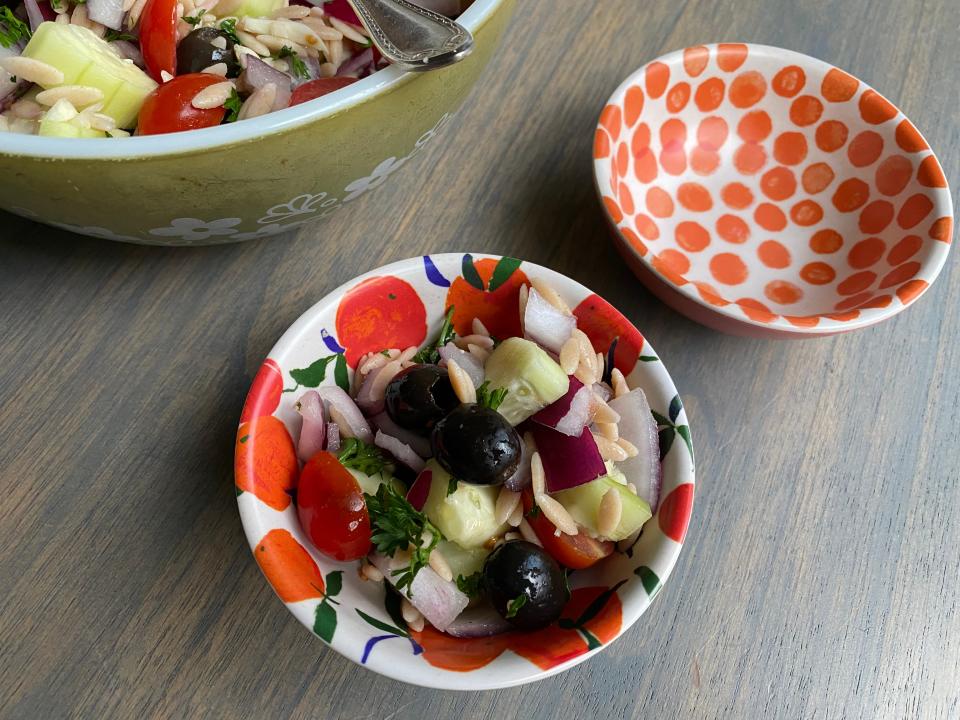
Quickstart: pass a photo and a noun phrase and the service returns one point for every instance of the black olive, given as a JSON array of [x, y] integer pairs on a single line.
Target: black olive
[[525, 585], [477, 445], [418, 397], [196, 52]]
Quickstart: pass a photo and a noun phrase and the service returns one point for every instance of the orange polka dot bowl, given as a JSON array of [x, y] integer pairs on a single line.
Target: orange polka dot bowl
[[400, 305], [763, 192]]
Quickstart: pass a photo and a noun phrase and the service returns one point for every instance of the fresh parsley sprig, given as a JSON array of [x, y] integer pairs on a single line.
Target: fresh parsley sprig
[[297, 66], [431, 353], [114, 35], [12, 28], [233, 105], [229, 28], [358, 455], [470, 584], [490, 398], [513, 607], [398, 526], [194, 19]]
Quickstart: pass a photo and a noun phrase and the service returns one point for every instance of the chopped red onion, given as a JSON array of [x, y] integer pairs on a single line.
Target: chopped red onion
[[333, 437], [34, 14], [479, 621], [352, 421], [10, 89], [567, 461], [470, 363], [257, 74], [420, 444], [546, 325], [637, 426], [130, 51], [401, 451], [106, 12], [372, 392], [521, 477], [357, 63], [420, 490], [439, 601], [340, 9], [571, 413], [313, 429], [603, 390]]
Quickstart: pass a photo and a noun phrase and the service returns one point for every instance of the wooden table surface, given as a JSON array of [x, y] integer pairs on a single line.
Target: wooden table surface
[[821, 574]]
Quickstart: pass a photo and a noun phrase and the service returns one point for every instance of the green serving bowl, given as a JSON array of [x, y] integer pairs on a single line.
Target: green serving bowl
[[253, 178]]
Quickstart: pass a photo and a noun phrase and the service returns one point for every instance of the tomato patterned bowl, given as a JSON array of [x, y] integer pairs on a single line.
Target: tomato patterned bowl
[[764, 192], [403, 304]]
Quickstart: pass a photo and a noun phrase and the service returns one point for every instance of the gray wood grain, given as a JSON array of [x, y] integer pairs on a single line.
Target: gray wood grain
[[821, 575]]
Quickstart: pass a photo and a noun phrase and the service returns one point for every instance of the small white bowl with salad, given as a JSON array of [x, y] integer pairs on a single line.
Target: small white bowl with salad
[[464, 471]]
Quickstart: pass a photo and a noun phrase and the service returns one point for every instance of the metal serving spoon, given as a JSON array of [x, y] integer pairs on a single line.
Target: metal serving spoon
[[411, 36]]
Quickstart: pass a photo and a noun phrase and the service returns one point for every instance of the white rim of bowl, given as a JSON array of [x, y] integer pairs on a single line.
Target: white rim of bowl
[[828, 326], [207, 138]]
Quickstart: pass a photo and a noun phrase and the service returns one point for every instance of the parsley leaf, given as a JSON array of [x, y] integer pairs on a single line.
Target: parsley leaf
[[233, 105], [195, 20], [470, 584], [513, 607], [452, 485], [430, 354], [397, 526], [229, 28], [113, 35], [297, 66], [490, 398], [357, 455], [12, 28]]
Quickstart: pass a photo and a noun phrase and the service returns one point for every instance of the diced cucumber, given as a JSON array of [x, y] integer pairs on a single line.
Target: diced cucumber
[[532, 379], [462, 561], [85, 59], [252, 8], [54, 128], [583, 504], [467, 515], [369, 483], [615, 473]]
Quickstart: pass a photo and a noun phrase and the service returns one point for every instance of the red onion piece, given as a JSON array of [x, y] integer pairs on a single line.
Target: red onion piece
[[333, 437], [567, 461], [358, 62], [341, 10], [603, 390], [313, 429], [356, 424], [34, 14], [546, 325], [420, 445], [10, 90], [418, 492], [521, 478], [470, 364], [106, 12], [257, 73], [440, 601], [571, 413], [372, 392], [130, 51], [401, 451], [637, 426], [479, 621]]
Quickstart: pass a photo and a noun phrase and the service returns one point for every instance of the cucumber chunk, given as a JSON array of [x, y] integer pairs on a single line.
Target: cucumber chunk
[[85, 59], [369, 483], [467, 515], [55, 128], [583, 504], [253, 8], [532, 379], [461, 560]]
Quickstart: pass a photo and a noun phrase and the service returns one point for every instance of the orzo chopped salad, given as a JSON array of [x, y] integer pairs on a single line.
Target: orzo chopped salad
[[99, 68], [474, 474]]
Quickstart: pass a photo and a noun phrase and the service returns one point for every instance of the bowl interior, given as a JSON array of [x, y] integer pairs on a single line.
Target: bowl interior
[[401, 305], [772, 185]]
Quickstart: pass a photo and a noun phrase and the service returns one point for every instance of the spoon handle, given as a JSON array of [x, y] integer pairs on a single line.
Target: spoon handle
[[411, 36]]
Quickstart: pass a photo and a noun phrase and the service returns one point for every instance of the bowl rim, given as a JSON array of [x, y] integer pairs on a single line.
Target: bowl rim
[[36, 146], [779, 325], [252, 518]]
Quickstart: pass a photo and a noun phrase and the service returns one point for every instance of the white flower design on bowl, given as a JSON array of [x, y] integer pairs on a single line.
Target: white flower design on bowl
[[196, 229]]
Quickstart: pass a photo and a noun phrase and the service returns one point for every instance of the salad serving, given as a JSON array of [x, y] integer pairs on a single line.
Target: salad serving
[[110, 68], [474, 474]]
